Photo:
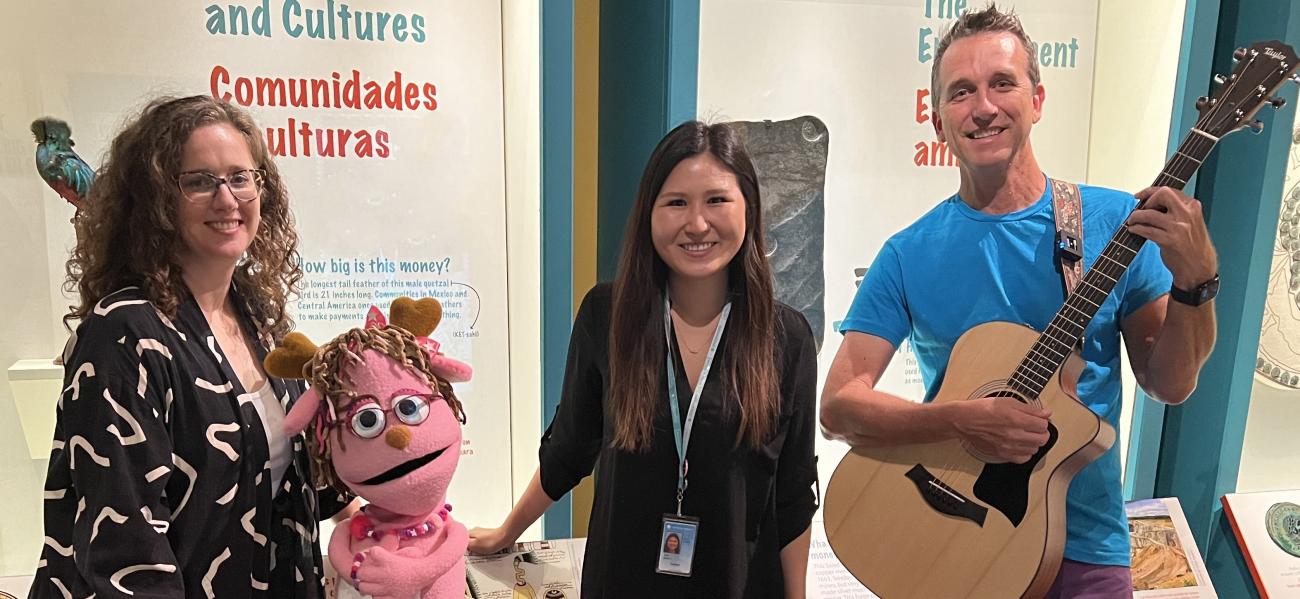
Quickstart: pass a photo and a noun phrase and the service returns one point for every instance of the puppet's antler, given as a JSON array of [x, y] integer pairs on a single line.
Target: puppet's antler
[[419, 317], [288, 360]]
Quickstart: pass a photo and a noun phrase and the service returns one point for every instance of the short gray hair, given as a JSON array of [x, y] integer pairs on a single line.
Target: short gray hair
[[989, 20]]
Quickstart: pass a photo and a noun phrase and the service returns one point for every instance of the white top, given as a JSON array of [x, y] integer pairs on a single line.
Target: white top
[[272, 415]]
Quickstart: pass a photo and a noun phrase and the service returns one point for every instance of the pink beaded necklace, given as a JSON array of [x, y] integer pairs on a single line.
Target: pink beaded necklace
[[361, 526]]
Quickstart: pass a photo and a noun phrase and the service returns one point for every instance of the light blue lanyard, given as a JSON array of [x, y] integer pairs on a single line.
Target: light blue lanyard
[[682, 437]]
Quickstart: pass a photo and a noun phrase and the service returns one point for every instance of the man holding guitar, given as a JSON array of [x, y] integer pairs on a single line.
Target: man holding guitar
[[991, 253]]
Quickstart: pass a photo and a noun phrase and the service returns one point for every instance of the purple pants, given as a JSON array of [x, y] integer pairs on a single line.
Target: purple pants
[[1078, 580]]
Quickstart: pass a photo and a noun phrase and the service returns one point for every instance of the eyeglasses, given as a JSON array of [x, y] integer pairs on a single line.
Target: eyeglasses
[[368, 420], [201, 186]]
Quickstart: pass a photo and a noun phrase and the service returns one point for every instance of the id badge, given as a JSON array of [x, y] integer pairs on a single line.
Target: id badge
[[677, 545]]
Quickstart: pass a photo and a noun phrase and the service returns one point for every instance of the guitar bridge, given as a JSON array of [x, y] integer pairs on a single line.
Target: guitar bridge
[[945, 499]]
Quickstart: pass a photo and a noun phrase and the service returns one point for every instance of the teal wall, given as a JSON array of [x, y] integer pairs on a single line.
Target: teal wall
[[648, 62], [649, 57], [557, 221], [1241, 188]]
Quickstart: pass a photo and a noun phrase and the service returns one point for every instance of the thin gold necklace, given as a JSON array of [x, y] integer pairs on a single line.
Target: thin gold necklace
[[681, 339]]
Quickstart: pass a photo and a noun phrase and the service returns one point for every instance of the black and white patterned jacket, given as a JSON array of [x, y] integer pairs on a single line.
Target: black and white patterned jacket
[[159, 477]]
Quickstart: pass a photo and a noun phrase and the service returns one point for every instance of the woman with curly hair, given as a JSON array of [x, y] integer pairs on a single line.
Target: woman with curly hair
[[170, 475]]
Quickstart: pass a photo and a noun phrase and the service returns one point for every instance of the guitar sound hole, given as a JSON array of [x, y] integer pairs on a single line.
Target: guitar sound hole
[[1013, 395]]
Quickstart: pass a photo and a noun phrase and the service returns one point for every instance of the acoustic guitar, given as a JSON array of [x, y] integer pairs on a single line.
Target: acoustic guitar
[[940, 520]]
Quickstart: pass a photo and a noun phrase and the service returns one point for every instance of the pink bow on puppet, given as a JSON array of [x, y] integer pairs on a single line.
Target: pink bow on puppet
[[388, 431]]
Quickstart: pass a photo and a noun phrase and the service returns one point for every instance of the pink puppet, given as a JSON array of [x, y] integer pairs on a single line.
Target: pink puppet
[[383, 423]]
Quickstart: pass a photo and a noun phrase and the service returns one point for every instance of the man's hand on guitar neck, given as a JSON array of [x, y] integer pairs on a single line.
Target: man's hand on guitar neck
[[1169, 341], [1001, 427], [1173, 220]]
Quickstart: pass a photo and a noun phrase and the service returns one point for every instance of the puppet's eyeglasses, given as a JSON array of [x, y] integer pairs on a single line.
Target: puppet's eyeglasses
[[368, 420]]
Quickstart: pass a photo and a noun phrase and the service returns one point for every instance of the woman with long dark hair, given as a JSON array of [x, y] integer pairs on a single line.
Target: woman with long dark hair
[[170, 474], [695, 390]]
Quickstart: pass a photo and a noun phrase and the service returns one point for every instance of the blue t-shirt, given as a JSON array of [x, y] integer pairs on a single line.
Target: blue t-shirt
[[956, 268]]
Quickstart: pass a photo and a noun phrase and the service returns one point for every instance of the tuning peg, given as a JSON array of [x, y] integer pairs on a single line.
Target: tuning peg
[[1239, 54], [1219, 79], [1256, 127], [1277, 102], [1202, 102], [1295, 78]]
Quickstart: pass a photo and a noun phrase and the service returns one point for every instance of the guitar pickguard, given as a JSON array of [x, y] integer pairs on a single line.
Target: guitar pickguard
[[1005, 487]]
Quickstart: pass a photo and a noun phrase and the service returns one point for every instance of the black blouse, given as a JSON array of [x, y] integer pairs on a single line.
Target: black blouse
[[751, 503], [159, 477]]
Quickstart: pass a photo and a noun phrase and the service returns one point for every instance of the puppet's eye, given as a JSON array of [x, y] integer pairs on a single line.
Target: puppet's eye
[[368, 422], [411, 409]]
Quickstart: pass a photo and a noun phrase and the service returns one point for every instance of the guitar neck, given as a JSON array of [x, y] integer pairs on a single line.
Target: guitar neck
[[1062, 335]]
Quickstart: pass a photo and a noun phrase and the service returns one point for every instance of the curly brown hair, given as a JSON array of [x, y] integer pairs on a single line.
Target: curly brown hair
[[327, 375], [128, 233]]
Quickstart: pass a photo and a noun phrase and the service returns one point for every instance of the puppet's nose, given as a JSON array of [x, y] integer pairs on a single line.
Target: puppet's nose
[[398, 437]]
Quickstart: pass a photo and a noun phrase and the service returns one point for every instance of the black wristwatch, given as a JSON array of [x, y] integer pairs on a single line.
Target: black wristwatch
[[1198, 295]]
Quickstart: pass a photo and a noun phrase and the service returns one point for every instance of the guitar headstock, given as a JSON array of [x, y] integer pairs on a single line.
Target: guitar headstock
[[1259, 71]]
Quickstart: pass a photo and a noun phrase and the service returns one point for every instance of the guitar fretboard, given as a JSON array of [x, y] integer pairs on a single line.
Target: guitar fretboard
[[1068, 326]]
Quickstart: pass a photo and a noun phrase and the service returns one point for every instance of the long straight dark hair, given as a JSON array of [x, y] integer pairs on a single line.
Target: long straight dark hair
[[636, 336]]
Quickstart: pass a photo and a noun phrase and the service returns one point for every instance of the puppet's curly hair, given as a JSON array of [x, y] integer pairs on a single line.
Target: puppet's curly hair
[[128, 233], [327, 373]]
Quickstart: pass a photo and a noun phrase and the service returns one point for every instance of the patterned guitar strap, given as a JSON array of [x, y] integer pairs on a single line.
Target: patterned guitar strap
[[1066, 208]]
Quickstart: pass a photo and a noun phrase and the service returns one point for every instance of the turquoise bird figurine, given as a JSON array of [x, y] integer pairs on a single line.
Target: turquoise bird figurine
[[61, 168]]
